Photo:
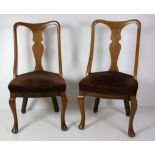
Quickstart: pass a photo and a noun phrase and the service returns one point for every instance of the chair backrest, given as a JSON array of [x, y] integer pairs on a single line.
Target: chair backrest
[[115, 46], [38, 47]]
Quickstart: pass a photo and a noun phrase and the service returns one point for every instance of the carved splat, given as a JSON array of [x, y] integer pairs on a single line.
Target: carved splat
[[38, 49], [115, 48]]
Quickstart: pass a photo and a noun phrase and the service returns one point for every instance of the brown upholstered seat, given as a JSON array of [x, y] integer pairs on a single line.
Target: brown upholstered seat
[[40, 81], [109, 82]]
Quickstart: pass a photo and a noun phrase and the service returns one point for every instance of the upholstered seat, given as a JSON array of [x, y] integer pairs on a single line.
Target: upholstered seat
[[109, 82], [40, 81]]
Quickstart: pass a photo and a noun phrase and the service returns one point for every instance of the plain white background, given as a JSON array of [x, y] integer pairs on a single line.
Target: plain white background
[[69, 6], [75, 39]]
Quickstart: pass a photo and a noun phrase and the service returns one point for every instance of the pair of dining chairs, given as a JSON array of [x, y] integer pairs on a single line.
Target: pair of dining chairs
[[110, 84]]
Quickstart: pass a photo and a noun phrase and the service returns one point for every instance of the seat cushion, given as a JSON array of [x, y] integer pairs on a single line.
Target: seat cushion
[[41, 81], [109, 83]]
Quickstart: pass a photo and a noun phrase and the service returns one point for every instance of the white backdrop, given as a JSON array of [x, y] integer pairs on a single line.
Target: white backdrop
[[75, 39]]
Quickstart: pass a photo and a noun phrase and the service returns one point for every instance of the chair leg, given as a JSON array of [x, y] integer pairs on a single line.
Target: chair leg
[[127, 107], [12, 104], [23, 110], [63, 109], [81, 106], [131, 132], [55, 104], [97, 101]]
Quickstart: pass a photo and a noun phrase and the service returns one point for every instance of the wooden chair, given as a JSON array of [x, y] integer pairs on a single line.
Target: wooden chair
[[38, 83], [111, 84]]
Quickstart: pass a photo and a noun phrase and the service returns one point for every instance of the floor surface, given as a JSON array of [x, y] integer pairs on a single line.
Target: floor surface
[[110, 123]]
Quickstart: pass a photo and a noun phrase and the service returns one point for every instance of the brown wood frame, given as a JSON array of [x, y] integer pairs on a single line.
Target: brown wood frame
[[37, 48], [116, 27]]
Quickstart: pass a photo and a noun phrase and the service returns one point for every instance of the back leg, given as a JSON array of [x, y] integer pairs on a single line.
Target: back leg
[[127, 107], [97, 101], [23, 110], [55, 104]]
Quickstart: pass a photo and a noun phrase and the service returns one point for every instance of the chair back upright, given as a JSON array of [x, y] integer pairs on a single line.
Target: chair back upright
[[38, 48], [115, 46]]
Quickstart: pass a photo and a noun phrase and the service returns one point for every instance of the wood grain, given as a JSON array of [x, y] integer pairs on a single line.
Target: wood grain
[[80, 102], [12, 104], [37, 30], [131, 132], [63, 109], [38, 49], [115, 27], [115, 48]]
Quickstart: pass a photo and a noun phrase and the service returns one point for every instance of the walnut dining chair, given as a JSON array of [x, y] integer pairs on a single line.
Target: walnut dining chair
[[37, 83], [111, 84]]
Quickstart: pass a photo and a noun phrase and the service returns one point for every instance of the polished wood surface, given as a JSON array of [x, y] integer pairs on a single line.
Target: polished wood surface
[[25, 100], [55, 104], [37, 30], [38, 50], [96, 104], [115, 47], [127, 107], [12, 103], [63, 109], [82, 110], [131, 132]]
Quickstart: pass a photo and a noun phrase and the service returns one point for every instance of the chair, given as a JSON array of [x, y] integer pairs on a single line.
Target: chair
[[111, 84], [37, 83]]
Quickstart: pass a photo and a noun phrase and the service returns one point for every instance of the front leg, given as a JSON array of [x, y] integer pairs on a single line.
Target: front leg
[[131, 132], [12, 104], [63, 109], [80, 101]]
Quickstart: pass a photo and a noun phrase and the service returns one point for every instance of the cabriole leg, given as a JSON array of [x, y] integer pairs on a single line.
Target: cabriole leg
[[12, 104], [80, 101], [131, 132], [63, 109]]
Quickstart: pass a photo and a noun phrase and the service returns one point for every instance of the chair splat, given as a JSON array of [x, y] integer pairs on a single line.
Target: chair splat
[[115, 48], [38, 49]]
